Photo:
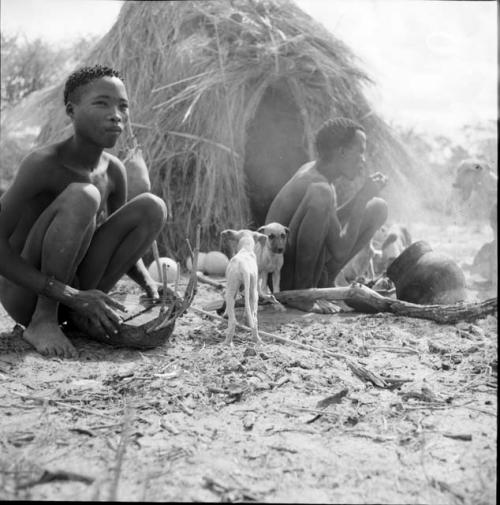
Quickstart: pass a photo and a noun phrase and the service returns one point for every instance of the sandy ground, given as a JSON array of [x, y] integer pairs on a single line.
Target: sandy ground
[[196, 421]]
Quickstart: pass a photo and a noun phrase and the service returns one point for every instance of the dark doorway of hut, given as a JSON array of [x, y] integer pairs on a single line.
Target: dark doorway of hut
[[275, 149]]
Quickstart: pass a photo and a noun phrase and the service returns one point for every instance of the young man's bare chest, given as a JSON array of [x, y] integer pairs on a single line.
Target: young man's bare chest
[[61, 176]]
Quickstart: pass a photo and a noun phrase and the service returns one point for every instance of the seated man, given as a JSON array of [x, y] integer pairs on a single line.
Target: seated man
[[323, 238], [53, 248]]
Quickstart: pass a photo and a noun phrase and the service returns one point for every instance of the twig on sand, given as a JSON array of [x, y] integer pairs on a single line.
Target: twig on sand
[[397, 350], [61, 404], [120, 452], [359, 370], [60, 475], [365, 434], [466, 437], [206, 280], [281, 448]]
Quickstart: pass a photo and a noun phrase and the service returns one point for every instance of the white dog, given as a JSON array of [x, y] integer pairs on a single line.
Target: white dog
[[270, 259], [242, 271]]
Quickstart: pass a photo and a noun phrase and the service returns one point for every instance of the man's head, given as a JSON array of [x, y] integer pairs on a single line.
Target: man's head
[[96, 101], [341, 144], [83, 76]]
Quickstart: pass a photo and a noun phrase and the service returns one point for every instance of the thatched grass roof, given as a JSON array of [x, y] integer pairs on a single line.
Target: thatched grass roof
[[196, 73]]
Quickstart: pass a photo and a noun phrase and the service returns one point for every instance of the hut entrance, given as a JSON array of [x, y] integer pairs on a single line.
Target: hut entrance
[[275, 149]]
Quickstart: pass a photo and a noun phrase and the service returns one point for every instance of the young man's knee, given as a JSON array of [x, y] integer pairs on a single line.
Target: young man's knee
[[153, 209], [81, 196]]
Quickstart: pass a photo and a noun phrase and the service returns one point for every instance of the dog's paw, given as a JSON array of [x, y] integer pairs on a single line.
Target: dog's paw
[[279, 307]]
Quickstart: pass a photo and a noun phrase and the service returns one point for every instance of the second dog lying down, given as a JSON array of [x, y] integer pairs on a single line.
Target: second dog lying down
[[242, 272]]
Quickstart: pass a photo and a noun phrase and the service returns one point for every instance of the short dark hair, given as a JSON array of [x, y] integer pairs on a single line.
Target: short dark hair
[[335, 133], [85, 75]]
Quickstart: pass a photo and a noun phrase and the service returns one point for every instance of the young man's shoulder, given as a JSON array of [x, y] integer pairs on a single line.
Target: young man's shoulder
[[43, 156], [113, 161], [44, 152], [308, 174]]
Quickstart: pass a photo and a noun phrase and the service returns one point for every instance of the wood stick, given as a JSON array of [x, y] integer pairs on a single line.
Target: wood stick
[[177, 277], [269, 335], [120, 453], [62, 404], [156, 256], [210, 282], [364, 299], [446, 313], [358, 370]]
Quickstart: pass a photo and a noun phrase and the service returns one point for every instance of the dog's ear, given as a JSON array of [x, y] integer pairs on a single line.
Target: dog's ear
[[262, 229], [287, 230], [228, 242], [229, 234], [260, 237]]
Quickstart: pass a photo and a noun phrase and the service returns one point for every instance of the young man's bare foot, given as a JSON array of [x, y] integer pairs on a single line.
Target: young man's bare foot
[[48, 339]]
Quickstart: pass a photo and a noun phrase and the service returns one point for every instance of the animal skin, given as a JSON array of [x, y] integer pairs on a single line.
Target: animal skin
[[242, 272]]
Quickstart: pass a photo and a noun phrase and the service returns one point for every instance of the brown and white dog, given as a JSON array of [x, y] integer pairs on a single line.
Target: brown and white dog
[[242, 272], [270, 259]]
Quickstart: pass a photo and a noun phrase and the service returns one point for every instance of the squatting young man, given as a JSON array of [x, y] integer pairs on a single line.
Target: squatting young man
[[322, 237], [54, 250]]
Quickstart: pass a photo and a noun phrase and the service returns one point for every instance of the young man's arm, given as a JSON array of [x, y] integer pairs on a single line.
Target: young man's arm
[[342, 237]]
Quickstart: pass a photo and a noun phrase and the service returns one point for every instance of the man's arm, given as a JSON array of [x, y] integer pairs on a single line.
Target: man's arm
[[342, 237]]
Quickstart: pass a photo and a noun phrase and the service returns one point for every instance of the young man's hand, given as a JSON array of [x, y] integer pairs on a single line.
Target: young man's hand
[[374, 184], [152, 294], [98, 307]]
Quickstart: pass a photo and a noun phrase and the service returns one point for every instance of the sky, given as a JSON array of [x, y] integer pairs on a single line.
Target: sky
[[434, 62]]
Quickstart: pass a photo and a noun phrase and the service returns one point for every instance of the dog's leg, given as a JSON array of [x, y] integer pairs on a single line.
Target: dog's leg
[[276, 280], [264, 292], [262, 284], [252, 305], [276, 288], [231, 317]]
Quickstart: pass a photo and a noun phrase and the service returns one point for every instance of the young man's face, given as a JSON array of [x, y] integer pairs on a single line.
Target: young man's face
[[352, 157], [100, 110]]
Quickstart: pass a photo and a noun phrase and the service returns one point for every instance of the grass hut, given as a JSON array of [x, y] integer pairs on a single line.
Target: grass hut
[[225, 99]]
